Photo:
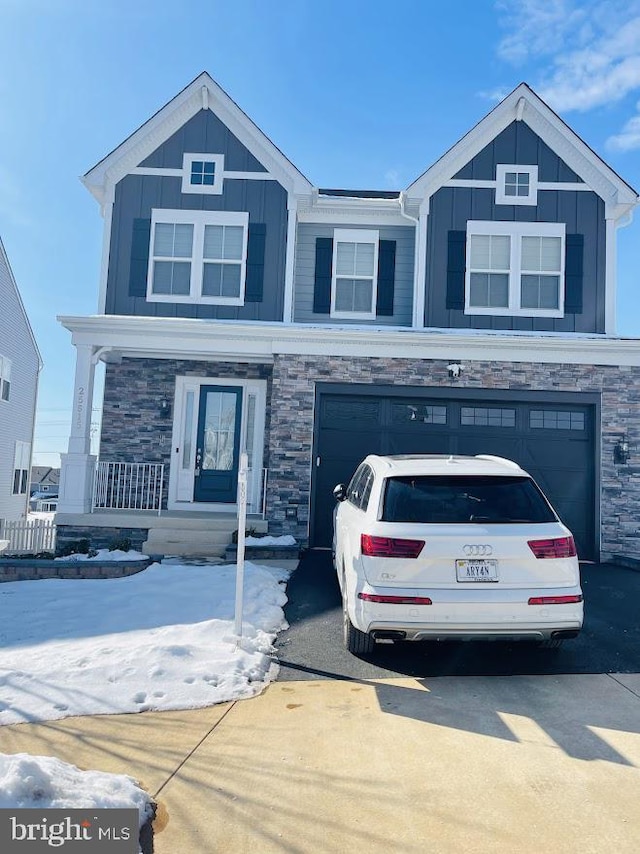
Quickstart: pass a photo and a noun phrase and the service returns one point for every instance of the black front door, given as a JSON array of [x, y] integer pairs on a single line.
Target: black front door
[[218, 444]]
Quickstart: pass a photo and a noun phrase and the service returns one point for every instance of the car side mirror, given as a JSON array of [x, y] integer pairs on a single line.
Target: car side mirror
[[340, 492]]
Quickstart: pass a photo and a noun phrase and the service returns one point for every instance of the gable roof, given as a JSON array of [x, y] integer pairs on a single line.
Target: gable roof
[[524, 105], [5, 261], [201, 93]]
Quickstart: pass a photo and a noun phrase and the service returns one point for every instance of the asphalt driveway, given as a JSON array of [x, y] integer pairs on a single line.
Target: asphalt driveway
[[312, 647]]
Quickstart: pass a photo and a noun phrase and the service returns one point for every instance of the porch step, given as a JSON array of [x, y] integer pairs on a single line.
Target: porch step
[[175, 541], [201, 538]]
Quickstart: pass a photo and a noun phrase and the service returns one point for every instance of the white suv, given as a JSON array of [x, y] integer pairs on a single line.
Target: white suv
[[430, 547]]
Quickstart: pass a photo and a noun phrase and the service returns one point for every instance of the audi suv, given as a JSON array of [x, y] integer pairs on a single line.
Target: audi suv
[[441, 547]]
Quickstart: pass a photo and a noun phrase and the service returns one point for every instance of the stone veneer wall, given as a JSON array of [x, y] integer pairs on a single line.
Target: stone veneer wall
[[292, 404], [133, 430], [100, 538]]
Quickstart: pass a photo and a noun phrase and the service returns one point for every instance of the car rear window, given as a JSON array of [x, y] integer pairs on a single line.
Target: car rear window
[[459, 498]]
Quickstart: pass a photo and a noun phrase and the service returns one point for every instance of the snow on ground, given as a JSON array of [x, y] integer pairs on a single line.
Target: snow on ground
[[44, 782], [105, 555], [160, 639], [285, 540]]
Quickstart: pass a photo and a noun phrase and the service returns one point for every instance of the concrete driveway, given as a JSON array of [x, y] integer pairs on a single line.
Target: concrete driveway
[[313, 649]]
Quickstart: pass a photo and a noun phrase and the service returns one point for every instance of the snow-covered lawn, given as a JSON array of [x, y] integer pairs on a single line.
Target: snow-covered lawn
[[161, 639]]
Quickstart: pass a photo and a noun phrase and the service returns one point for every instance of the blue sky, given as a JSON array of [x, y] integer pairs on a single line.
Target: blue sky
[[356, 94]]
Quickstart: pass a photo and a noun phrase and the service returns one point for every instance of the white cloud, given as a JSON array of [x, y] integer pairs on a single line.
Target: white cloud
[[629, 137], [592, 51], [536, 27]]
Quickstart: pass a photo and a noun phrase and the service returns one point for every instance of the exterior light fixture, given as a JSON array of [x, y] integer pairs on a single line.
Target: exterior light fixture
[[164, 408], [621, 451]]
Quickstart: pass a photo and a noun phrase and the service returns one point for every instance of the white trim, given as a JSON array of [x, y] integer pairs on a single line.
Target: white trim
[[478, 183], [214, 189], [551, 129], [290, 257], [199, 219], [107, 209], [516, 231], [610, 275], [501, 184], [184, 384], [231, 341], [420, 268], [355, 235], [178, 173]]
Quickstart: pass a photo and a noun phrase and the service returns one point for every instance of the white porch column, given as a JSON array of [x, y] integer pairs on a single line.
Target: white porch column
[[78, 466]]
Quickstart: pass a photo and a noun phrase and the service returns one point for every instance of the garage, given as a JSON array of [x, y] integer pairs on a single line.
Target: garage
[[552, 435]]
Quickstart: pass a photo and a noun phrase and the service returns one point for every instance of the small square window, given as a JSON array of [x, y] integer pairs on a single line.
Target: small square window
[[202, 173], [516, 185]]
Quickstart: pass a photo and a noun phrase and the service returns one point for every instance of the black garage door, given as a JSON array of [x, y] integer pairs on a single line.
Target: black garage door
[[552, 439]]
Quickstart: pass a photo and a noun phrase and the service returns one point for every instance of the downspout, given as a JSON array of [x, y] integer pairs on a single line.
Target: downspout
[[416, 254]]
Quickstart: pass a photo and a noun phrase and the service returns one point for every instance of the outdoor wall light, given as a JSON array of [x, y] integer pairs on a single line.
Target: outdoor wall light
[[621, 451], [164, 408]]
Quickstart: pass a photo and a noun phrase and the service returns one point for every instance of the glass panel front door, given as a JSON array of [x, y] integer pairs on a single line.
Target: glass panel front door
[[218, 444]]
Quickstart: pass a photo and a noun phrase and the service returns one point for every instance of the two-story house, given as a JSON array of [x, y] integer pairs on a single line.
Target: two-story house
[[243, 308], [20, 366]]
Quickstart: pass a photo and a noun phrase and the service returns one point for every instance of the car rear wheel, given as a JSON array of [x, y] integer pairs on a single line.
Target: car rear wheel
[[357, 642]]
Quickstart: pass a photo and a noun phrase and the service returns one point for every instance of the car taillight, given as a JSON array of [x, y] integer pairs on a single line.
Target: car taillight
[[389, 546], [395, 600], [554, 600], [559, 547]]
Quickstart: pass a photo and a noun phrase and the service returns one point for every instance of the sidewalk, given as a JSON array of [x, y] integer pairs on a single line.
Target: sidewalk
[[491, 764]]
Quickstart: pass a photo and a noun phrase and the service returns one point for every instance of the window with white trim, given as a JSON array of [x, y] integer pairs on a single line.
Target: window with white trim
[[198, 256], [202, 173], [21, 464], [5, 378], [515, 268], [354, 274], [516, 185]]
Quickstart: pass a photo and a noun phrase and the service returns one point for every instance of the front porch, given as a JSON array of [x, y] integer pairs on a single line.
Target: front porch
[[167, 533]]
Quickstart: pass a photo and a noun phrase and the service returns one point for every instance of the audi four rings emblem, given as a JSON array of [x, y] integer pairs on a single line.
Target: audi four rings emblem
[[477, 551]]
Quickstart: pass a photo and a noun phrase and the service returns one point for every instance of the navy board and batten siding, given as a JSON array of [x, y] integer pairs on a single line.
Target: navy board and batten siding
[[581, 211], [314, 252], [138, 195]]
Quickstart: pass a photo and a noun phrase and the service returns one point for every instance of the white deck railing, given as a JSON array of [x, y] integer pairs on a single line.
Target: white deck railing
[[26, 537], [128, 486]]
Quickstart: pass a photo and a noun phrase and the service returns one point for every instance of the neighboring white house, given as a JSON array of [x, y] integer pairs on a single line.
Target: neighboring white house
[[20, 366]]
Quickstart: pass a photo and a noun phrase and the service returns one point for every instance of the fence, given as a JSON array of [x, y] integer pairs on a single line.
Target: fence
[[128, 486], [37, 535]]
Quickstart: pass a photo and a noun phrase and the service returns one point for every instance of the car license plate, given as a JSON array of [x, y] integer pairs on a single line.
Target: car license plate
[[477, 570]]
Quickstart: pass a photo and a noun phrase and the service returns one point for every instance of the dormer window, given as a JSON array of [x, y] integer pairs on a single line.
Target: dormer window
[[202, 173], [516, 185]]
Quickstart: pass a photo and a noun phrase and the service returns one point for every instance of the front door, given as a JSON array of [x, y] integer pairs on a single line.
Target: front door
[[218, 444]]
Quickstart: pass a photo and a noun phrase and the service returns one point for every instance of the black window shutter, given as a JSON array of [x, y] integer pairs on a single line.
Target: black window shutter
[[573, 273], [456, 259], [139, 257], [322, 282], [255, 262], [386, 277]]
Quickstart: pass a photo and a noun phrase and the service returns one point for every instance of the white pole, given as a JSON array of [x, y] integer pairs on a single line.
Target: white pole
[[242, 521]]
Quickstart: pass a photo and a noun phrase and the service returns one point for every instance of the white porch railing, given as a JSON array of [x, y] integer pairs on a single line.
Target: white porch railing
[[128, 486], [25, 537], [138, 486]]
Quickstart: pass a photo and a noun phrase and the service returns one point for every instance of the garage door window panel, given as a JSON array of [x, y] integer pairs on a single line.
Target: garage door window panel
[[480, 416], [554, 419]]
